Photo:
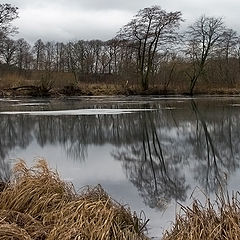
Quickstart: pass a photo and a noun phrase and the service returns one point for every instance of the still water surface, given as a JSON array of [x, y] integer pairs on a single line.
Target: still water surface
[[149, 152]]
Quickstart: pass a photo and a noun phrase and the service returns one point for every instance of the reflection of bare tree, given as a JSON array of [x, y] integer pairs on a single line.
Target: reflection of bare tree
[[69, 132], [15, 131], [152, 169], [214, 163], [4, 171]]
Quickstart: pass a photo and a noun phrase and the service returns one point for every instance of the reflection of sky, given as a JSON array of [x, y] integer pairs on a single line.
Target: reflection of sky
[[99, 168]]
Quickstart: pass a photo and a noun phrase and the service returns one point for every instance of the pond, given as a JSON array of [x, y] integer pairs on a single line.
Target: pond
[[152, 153]]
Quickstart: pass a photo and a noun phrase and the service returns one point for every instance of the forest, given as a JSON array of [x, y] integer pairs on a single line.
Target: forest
[[151, 54]]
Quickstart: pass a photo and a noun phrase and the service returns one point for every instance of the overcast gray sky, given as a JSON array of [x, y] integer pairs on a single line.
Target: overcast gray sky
[[64, 20]]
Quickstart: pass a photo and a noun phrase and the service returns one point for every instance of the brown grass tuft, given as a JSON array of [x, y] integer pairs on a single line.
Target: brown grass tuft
[[36, 204], [217, 221]]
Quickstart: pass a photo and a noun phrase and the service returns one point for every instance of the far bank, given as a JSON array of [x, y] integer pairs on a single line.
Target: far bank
[[42, 84]]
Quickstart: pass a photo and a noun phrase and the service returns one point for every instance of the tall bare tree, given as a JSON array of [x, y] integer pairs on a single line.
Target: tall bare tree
[[23, 55], [228, 47], [202, 38], [39, 52], [149, 30]]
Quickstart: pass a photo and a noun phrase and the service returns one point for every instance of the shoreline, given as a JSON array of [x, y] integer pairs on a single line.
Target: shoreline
[[33, 91]]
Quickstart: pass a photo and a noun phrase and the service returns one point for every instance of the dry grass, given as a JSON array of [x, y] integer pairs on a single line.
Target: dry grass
[[105, 89], [12, 83], [2, 185], [36, 204], [12, 80], [217, 221]]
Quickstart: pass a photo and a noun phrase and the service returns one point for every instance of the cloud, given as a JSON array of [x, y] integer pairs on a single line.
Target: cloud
[[64, 20], [62, 24], [129, 5]]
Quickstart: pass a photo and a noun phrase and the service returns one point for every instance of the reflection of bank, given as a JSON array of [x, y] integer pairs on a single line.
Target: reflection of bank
[[73, 132]]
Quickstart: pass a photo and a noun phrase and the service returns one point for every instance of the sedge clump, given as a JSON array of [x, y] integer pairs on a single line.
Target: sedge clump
[[36, 205]]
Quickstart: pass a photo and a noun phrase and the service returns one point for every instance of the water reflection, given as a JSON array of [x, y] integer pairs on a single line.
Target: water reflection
[[158, 149], [213, 149], [152, 165]]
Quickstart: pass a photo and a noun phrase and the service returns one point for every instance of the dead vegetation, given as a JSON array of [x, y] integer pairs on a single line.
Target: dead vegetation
[[2, 185], [212, 221], [36, 204]]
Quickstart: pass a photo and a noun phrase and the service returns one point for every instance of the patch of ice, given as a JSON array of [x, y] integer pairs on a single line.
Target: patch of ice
[[8, 100], [77, 112], [169, 108], [30, 104]]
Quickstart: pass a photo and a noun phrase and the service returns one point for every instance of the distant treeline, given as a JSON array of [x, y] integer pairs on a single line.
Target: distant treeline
[[150, 50]]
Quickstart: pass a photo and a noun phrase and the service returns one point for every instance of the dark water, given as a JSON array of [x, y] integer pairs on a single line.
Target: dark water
[[148, 152]]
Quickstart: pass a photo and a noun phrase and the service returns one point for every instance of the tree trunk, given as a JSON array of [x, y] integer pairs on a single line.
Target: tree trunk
[[192, 85], [144, 81]]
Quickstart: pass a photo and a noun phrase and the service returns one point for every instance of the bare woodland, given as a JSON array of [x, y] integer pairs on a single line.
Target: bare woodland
[[151, 51]]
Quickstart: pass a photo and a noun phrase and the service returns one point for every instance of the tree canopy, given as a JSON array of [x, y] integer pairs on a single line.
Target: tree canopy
[[7, 14], [149, 30]]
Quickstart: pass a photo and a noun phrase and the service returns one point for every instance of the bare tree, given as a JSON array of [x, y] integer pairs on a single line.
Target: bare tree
[[7, 51], [228, 47], [39, 52], [7, 14], [50, 52], [23, 55], [202, 38], [60, 57], [150, 29], [237, 53]]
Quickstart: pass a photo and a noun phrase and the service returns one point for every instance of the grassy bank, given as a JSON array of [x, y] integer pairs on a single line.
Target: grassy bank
[[36, 204], [84, 89], [40, 83]]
